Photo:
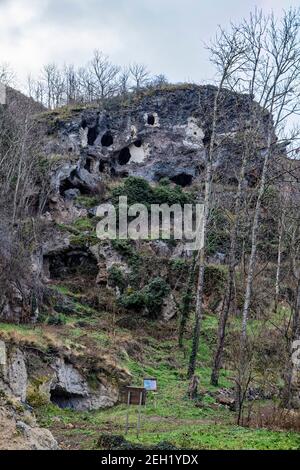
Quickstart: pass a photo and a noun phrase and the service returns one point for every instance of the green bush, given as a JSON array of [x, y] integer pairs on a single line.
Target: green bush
[[117, 278], [155, 292], [135, 301], [57, 320], [215, 277], [138, 190]]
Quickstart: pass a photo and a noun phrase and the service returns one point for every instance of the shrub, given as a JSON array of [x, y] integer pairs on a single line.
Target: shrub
[[57, 320], [151, 297], [215, 277], [116, 277], [135, 301], [155, 293], [138, 190]]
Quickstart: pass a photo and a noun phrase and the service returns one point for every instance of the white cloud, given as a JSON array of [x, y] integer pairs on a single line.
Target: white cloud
[[166, 35]]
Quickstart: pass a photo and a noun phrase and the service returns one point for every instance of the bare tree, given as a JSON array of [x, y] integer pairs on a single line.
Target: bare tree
[[104, 75], [124, 81], [227, 60], [7, 75], [139, 75]]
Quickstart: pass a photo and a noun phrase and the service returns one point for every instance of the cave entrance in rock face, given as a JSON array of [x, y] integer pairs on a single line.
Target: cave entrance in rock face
[[138, 143], [124, 156], [107, 139], [64, 399], [92, 135], [71, 263], [182, 179], [101, 166], [151, 120], [88, 165]]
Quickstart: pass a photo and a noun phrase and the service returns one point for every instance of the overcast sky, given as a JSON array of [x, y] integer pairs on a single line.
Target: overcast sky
[[166, 35]]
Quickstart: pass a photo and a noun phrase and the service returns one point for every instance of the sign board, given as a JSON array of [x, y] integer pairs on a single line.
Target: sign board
[[134, 395], [150, 384]]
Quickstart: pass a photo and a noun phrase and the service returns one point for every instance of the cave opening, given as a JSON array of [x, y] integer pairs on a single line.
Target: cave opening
[[107, 139], [138, 143], [151, 120], [64, 399], [182, 179], [74, 181], [71, 263], [101, 166], [92, 135], [65, 185], [88, 165], [124, 156], [83, 124]]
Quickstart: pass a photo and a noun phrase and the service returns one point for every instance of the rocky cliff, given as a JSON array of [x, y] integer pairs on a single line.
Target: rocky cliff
[[87, 152], [163, 133]]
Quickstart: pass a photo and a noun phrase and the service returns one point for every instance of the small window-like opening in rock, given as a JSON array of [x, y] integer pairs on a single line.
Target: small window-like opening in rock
[[101, 166], [107, 139], [151, 120], [138, 143], [65, 185], [83, 124], [182, 179], [88, 165], [92, 135], [124, 156]]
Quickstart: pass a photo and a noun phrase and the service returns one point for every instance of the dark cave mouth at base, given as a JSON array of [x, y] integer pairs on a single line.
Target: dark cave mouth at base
[[65, 400], [71, 263]]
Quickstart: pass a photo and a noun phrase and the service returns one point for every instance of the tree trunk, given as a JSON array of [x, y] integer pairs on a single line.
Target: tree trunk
[[186, 303], [207, 201], [278, 269], [230, 282]]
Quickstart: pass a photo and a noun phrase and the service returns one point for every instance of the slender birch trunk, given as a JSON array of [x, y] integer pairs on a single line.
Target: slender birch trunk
[[207, 201], [230, 280]]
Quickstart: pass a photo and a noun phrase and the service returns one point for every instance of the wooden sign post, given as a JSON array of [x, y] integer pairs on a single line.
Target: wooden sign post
[[135, 396]]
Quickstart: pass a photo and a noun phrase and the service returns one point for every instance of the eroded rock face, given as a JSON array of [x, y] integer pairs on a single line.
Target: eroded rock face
[[13, 372], [19, 430], [69, 389], [169, 308], [164, 133], [61, 382]]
